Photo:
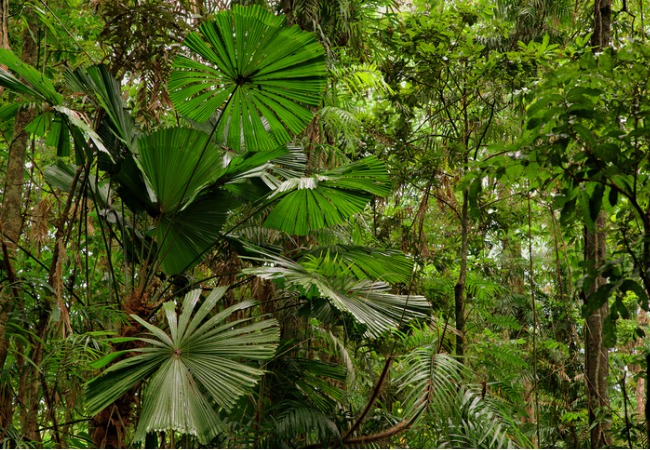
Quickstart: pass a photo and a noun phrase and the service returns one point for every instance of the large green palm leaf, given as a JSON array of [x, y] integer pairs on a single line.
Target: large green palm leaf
[[327, 199], [191, 369], [26, 80], [263, 77], [102, 87], [178, 163], [190, 182], [184, 236], [370, 303], [387, 265]]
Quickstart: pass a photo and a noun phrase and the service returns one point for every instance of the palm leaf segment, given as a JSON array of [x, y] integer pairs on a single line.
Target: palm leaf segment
[[189, 368], [263, 77], [60, 121]]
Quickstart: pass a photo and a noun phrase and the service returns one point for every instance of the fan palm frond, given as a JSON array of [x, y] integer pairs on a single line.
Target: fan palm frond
[[327, 199], [193, 365], [368, 302], [263, 76], [27, 81], [63, 123], [364, 262], [102, 87], [192, 186]]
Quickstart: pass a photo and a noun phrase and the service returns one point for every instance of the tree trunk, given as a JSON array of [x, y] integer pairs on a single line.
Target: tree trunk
[[639, 391], [596, 354], [602, 35], [11, 219], [460, 292], [6, 404]]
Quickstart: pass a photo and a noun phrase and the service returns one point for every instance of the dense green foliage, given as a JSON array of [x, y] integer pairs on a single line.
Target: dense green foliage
[[323, 223]]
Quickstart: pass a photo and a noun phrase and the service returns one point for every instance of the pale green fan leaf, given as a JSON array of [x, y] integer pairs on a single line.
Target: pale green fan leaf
[[196, 368], [195, 319], [263, 76], [173, 401], [103, 390], [368, 302], [327, 199]]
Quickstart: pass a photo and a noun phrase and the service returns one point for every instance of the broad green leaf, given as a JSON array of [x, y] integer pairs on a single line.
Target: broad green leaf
[[183, 236], [26, 80], [263, 76], [177, 163], [327, 199]]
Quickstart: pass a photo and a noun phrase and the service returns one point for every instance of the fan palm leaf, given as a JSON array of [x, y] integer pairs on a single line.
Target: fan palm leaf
[[98, 83], [31, 84], [364, 262], [368, 302], [327, 199], [177, 163], [26, 80], [190, 368], [183, 237], [190, 184], [263, 76], [118, 132]]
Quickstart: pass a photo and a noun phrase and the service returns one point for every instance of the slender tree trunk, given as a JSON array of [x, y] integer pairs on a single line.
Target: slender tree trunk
[[602, 35], [639, 391], [11, 219], [6, 404], [596, 354], [460, 291]]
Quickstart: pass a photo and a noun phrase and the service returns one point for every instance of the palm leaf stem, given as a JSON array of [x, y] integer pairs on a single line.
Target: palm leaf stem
[[102, 223], [186, 188], [392, 431], [373, 396]]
